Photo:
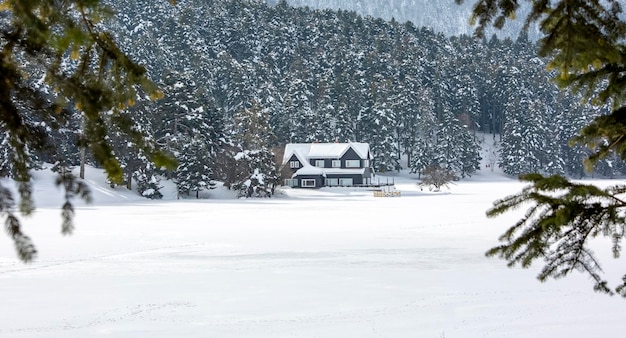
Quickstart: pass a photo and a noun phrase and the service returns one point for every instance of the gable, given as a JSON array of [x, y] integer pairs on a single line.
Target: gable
[[299, 150], [350, 154], [362, 149], [294, 158]]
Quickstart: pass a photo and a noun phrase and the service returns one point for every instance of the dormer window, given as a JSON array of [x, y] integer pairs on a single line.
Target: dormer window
[[336, 163], [319, 163], [353, 163], [294, 164]]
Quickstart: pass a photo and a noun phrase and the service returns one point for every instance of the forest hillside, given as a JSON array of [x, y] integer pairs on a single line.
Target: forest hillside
[[241, 78]]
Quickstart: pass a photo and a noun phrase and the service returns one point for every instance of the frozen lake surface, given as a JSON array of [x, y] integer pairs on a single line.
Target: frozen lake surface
[[309, 263]]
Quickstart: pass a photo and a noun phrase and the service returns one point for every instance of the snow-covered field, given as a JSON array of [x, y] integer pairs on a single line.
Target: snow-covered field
[[309, 263]]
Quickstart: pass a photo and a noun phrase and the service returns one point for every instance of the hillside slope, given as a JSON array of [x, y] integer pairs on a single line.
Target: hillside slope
[[443, 16]]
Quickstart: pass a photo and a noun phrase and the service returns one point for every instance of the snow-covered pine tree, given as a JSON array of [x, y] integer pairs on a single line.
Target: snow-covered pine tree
[[190, 125], [407, 92], [135, 165], [457, 149], [298, 106], [256, 175], [194, 172], [425, 125], [148, 182], [494, 83], [324, 130], [226, 167], [379, 119], [523, 139], [343, 122], [422, 156]]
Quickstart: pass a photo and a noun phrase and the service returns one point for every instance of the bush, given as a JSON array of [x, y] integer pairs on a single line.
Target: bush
[[436, 177]]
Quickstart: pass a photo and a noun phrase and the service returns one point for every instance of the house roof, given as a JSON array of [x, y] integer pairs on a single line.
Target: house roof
[[305, 151]]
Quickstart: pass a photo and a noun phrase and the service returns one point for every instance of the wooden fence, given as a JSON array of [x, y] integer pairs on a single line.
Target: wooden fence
[[388, 193]]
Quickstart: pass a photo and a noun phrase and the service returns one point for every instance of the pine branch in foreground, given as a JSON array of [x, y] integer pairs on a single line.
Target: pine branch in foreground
[[23, 244], [82, 69], [562, 219]]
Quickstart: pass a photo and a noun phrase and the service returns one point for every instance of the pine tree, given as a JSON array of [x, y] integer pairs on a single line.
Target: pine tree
[[299, 111], [423, 145], [523, 140], [130, 158], [194, 170], [256, 173], [408, 92], [190, 127], [148, 182], [380, 119], [456, 149]]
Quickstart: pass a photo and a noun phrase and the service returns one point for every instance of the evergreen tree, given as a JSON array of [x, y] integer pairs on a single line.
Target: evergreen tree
[[342, 122], [190, 127], [148, 182], [423, 145], [299, 112], [380, 118], [257, 174], [130, 158], [456, 150], [195, 170], [407, 92], [523, 144]]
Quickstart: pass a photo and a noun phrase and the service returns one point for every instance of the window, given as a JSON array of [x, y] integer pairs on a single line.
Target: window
[[319, 163], [345, 182], [353, 163], [331, 182], [291, 182], [307, 183], [294, 164], [336, 163], [366, 163]]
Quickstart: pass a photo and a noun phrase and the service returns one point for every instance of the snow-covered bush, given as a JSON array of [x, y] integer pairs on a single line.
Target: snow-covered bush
[[148, 184]]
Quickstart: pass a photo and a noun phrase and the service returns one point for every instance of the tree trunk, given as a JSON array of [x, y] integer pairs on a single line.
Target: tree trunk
[[129, 181], [81, 173]]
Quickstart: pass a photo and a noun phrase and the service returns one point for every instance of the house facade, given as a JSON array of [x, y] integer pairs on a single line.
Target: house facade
[[315, 165]]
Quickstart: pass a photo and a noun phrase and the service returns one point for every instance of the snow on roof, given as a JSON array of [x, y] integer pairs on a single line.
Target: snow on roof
[[305, 151], [327, 150], [309, 170]]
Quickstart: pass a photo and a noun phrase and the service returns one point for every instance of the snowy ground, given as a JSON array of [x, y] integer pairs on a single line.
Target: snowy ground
[[310, 263]]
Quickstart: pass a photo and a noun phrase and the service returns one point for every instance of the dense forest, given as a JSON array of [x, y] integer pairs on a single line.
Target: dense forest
[[240, 78]]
